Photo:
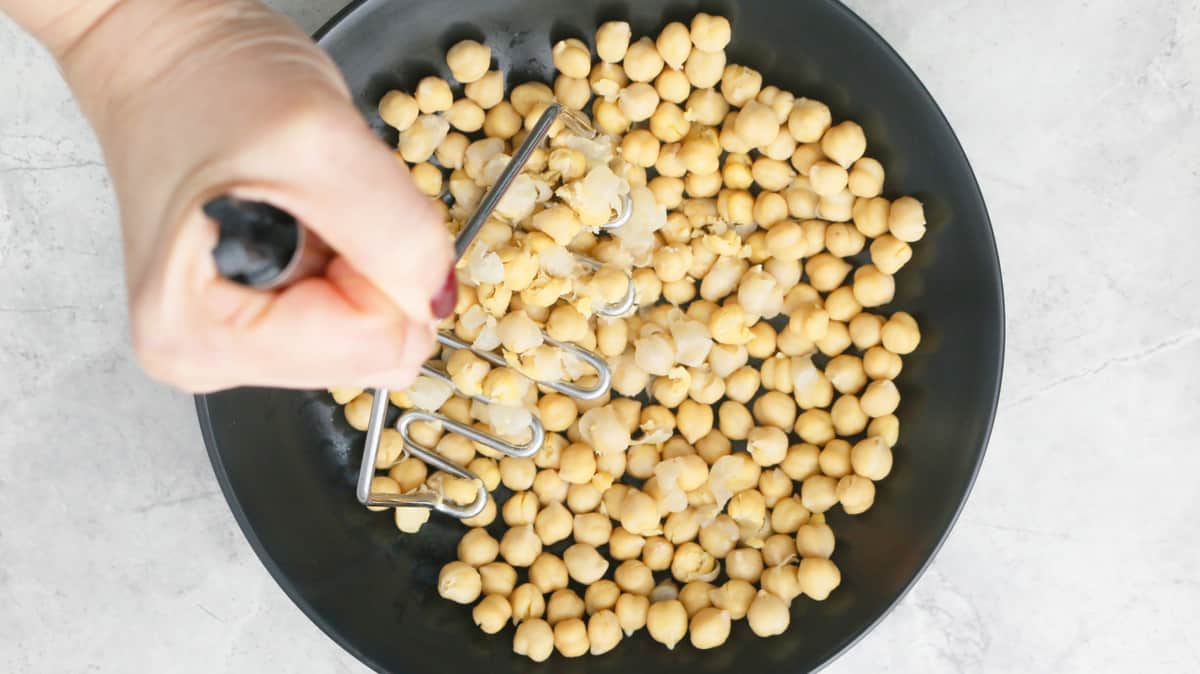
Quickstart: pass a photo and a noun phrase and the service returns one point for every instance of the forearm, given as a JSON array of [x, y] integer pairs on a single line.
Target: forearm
[[58, 23]]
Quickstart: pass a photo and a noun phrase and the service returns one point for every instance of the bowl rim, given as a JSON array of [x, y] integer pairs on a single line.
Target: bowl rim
[[219, 469]]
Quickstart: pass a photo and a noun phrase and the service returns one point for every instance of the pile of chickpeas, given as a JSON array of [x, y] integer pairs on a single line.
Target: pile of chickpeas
[[753, 387]]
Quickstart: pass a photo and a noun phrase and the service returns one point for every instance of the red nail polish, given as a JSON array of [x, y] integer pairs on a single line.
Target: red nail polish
[[444, 300]]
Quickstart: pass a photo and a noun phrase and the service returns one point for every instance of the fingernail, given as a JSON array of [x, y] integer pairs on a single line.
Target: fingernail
[[444, 300]]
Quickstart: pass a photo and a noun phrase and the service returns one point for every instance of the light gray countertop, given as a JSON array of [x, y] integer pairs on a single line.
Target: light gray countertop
[[1079, 550]]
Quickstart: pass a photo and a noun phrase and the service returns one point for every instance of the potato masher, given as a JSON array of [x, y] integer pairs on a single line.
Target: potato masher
[[430, 499]]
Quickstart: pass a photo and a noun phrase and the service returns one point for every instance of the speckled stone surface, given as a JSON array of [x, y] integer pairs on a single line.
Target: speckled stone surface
[[1078, 552]]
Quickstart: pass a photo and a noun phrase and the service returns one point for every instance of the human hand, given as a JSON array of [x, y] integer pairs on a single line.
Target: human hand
[[197, 99]]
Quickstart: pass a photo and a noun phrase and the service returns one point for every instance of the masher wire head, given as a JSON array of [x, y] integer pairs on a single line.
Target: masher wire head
[[426, 498]]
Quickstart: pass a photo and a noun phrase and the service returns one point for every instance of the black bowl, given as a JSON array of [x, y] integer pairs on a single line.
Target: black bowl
[[287, 461]]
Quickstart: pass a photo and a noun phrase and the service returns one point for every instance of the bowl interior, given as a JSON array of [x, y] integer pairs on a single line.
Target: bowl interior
[[287, 461]]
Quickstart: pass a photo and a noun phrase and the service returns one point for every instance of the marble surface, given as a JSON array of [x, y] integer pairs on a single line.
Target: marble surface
[[1078, 552]]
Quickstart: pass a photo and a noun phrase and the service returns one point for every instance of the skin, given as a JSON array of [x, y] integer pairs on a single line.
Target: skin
[[192, 99]]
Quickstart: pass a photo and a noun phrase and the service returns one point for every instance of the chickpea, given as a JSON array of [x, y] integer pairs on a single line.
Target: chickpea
[[781, 582], [382, 485], [723, 277], [608, 117], [789, 515], [601, 596], [827, 178], [886, 428], [502, 121], [548, 573], [866, 178], [785, 239], [804, 157], [881, 397], [583, 498], [818, 577], [871, 216], [872, 287], [520, 545], [767, 444], [631, 611], [603, 631], [704, 69], [553, 524], [871, 458], [889, 254], [623, 545], [734, 598], [763, 343], [779, 548], [818, 493], [410, 520], [497, 578], [777, 376], [527, 603], [592, 528], [781, 102], [672, 85], [459, 582], [809, 120], [702, 185], [835, 458], [358, 411], [836, 339], [900, 334], [856, 494], [549, 487], [674, 44], [398, 110], [641, 461], [801, 201], [638, 101], [694, 420], [572, 58], [642, 61], [487, 91], [774, 485], [756, 124], [718, 537], [571, 638], [647, 284], [681, 526], [826, 272], [667, 191], [713, 446], [517, 474], [468, 61], [742, 384], [639, 513], [815, 425], [658, 553], [634, 577], [729, 325], [734, 420], [906, 219], [563, 605], [578, 464], [477, 548], [801, 461], [433, 95], [841, 305], [584, 564], [844, 143], [846, 372], [667, 622], [534, 639], [848, 416], [744, 564], [768, 615], [769, 208], [612, 41], [736, 172], [815, 539]]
